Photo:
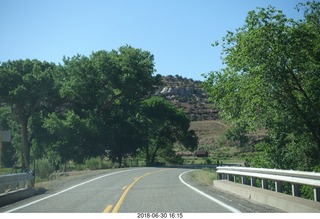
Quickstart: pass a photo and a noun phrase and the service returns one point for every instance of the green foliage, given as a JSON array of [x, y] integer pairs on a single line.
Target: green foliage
[[170, 157], [238, 133], [26, 86], [86, 108], [272, 81], [307, 192], [95, 163], [208, 161], [73, 134], [44, 168], [163, 125], [104, 92], [8, 155]]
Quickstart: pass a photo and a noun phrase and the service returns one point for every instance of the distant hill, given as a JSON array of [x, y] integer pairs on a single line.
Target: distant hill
[[187, 94]]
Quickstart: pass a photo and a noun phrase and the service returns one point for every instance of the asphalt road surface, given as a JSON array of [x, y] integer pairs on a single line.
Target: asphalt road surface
[[136, 190]]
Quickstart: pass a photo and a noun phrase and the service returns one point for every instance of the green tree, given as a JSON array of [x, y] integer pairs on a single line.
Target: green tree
[[25, 86], [106, 78], [163, 125], [272, 80], [8, 155], [125, 138], [103, 92], [237, 133], [74, 136]]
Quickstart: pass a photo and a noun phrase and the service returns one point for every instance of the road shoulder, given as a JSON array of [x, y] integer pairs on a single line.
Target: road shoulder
[[238, 202]]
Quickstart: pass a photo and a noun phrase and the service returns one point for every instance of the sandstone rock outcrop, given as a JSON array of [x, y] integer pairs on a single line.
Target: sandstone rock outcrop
[[189, 95]]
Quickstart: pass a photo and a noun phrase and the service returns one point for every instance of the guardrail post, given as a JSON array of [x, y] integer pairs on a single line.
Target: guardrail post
[[316, 192], [296, 190], [278, 177], [222, 176], [243, 179], [278, 186], [253, 181], [2, 188], [264, 183]]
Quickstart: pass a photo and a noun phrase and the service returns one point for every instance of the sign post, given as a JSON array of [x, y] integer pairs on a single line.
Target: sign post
[[5, 136], [0, 149]]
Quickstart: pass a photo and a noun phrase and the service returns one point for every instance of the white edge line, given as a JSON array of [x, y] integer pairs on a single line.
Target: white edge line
[[233, 210], [75, 186]]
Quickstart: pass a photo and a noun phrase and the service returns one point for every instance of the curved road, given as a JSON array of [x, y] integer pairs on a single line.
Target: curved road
[[132, 191]]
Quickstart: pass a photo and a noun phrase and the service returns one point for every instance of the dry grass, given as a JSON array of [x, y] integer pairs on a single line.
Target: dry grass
[[211, 137], [204, 176], [208, 131], [58, 179]]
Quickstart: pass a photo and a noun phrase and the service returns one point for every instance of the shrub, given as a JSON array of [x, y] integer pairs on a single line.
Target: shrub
[[93, 163], [44, 168], [107, 164], [208, 161]]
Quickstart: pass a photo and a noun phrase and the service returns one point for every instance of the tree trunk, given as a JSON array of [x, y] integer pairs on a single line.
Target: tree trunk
[[25, 144], [147, 156], [153, 157], [120, 161]]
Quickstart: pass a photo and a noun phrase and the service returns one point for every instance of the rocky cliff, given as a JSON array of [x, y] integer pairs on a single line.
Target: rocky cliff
[[187, 94]]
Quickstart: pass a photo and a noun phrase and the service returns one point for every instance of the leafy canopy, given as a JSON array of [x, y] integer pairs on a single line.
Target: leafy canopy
[[163, 125], [272, 80], [25, 87]]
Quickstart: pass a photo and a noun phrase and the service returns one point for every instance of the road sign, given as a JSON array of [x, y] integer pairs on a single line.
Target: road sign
[[5, 136]]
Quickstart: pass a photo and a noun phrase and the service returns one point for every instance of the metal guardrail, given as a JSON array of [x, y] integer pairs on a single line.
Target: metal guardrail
[[15, 182], [295, 178]]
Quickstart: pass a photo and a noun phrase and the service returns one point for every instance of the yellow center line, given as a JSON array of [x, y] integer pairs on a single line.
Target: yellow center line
[[124, 194], [107, 209]]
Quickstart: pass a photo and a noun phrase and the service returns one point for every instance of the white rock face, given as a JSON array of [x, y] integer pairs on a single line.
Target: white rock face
[[182, 91], [188, 95]]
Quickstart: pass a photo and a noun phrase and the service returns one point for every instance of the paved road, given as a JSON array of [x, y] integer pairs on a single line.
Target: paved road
[[132, 191]]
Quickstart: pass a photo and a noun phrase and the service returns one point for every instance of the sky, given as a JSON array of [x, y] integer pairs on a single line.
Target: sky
[[179, 33]]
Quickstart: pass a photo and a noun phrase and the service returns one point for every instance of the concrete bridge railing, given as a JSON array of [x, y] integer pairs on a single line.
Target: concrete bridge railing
[[249, 176]]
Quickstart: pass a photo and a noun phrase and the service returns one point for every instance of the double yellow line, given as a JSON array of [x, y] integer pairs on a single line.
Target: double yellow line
[[124, 194]]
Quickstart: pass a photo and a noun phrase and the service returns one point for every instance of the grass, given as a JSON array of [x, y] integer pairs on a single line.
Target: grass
[[211, 135], [4, 171], [208, 131], [204, 176], [213, 160]]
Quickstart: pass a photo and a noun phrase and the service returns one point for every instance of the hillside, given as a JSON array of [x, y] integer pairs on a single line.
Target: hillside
[[210, 129], [211, 138], [187, 94]]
